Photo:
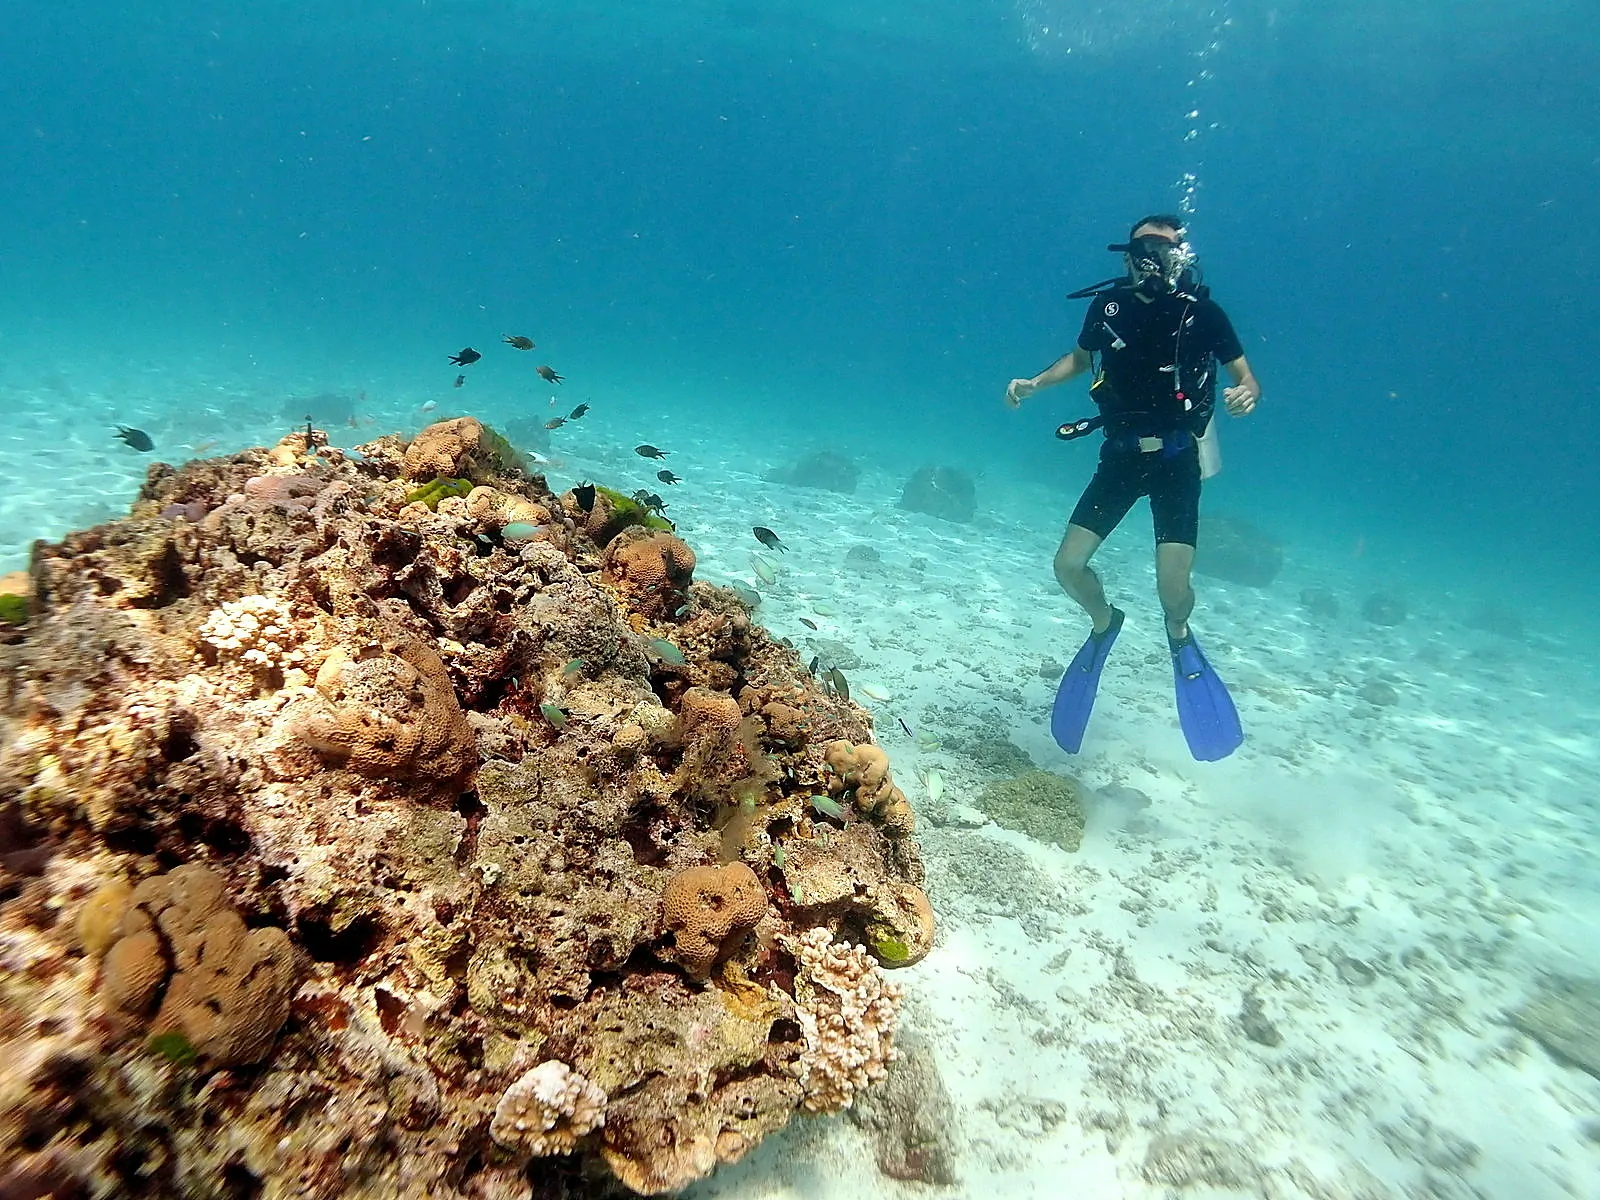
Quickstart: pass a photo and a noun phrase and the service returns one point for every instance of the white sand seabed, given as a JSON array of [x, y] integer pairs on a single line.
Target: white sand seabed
[[1385, 881]]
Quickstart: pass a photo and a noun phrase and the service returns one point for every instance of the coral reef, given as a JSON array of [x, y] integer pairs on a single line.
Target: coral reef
[[1382, 608], [1563, 1015], [944, 492], [1319, 602], [1045, 806], [1238, 551], [828, 470], [911, 1119], [305, 893]]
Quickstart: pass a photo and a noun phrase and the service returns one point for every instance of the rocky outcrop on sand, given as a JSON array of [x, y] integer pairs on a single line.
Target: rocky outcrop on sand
[[351, 845]]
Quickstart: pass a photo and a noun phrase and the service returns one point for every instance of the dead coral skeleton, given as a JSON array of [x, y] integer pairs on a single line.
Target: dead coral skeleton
[[548, 1110], [848, 1011]]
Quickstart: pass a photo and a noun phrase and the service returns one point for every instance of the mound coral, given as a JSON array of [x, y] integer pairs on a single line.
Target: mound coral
[[708, 908], [444, 932], [223, 988], [389, 709], [651, 568], [864, 772]]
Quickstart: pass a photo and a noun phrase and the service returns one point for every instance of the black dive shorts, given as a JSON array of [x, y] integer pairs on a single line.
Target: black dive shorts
[[1171, 481]]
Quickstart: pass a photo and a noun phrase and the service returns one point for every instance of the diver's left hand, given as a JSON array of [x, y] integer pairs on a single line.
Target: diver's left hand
[[1241, 399]]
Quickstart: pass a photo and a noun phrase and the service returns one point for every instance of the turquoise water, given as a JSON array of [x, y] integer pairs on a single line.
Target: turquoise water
[[748, 231]]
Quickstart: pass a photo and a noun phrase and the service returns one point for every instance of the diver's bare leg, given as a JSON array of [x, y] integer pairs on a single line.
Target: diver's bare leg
[[1174, 564], [1078, 579]]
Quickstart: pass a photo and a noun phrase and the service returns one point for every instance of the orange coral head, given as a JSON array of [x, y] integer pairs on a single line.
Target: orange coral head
[[650, 568], [708, 909]]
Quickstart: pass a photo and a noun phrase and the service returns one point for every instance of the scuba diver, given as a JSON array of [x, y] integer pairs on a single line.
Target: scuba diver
[[1149, 340]]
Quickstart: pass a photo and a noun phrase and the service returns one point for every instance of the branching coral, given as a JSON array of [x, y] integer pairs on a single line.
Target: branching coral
[[848, 1011], [548, 1110], [257, 629]]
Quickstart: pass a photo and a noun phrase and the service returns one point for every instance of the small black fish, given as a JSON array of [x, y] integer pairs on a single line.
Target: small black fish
[[814, 664], [516, 341], [466, 358], [577, 412], [555, 422], [906, 727], [138, 439], [651, 501], [668, 477], [649, 451], [308, 433], [840, 684], [768, 539], [584, 495], [548, 375], [808, 622], [460, 379]]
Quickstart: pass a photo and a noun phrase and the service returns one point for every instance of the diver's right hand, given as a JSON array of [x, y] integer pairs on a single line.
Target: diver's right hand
[[1018, 391]]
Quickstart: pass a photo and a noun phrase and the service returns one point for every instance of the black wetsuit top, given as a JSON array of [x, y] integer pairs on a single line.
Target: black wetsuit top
[[1139, 396]]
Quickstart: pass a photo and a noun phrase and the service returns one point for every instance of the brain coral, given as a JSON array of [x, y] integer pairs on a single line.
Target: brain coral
[[389, 709], [444, 449], [706, 908], [652, 569], [227, 987]]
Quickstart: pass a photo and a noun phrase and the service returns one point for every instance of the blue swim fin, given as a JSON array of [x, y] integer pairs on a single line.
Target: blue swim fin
[[1205, 710], [1075, 696]]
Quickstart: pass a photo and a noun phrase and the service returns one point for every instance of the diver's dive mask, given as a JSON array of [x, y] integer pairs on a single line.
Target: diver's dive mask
[[1157, 266]]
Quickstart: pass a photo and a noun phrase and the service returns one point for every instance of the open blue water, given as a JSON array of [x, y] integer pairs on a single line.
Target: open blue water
[[796, 216]]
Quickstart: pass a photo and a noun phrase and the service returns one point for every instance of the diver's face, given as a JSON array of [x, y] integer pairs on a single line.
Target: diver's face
[[1151, 267]]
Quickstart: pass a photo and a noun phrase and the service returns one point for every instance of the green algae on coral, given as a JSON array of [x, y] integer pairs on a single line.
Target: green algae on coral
[[13, 609], [1045, 806], [628, 511], [891, 950], [505, 456], [436, 490], [175, 1048]]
